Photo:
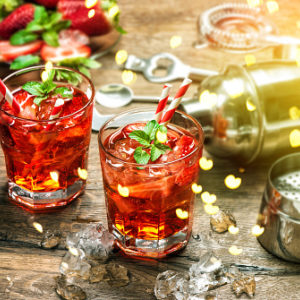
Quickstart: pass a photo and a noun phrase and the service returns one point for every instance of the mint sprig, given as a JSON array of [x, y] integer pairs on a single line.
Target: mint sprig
[[45, 25], [147, 138], [82, 64], [24, 61], [43, 90]]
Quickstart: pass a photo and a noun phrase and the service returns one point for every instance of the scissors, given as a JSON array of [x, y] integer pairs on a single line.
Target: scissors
[[175, 70]]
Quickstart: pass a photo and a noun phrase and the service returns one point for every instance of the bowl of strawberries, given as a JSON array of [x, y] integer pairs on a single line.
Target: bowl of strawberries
[[66, 32]]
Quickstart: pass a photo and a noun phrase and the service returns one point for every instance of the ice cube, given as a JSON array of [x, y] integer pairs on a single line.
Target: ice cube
[[93, 239], [50, 239], [75, 265], [68, 291], [170, 283], [207, 263]]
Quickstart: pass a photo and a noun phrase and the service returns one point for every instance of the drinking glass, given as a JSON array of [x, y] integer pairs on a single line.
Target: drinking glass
[[46, 160], [149, 207]]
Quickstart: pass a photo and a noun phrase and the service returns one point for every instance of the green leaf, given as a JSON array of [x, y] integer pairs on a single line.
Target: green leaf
[[162, 147], [64, 92], [84, 71], [141, 156], [162, 129], [34, 26], [24, 61], [48, 86], [38, 100], [71, 77], [40, 13], [140, 136], [90, 63], [155, 153], [120, 29], [61, 25], [22, 37], [151, 128], [34, 88], [51, 75], [51, 38]]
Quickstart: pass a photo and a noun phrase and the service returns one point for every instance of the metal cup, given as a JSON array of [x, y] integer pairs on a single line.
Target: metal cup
[[280, 209]]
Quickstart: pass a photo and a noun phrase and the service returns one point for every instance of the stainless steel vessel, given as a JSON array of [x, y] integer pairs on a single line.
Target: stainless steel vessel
[[280, 209], [250, 112]]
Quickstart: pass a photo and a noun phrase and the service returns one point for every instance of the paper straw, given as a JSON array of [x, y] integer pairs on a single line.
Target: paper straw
[[162, 101], [56, 111], [175, 102], [6, 93]]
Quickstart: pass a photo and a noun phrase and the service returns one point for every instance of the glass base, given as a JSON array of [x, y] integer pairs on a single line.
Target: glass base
[[44, 200], [151, 248]]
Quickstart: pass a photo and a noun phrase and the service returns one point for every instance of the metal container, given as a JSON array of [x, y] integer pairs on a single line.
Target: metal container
[[250, 112], [280, 209]]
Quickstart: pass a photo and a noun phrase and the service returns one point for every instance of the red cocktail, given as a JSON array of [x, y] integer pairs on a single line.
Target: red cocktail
[[150, 206], [46, 160]]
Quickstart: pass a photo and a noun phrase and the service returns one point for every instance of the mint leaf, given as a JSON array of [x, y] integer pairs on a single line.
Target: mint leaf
[[140, 136], [157, 150], [48, 86], [22, 37], [84, 71], [40, 13], [38, 100], [71, 77], [24, 61], [162, 129], [51, 75], [162, 147], [151, 128], [64, 92], [51, 38], [155, 153], [90, 63], [61, 25], [34, 26], [141, 156], [34, 88]]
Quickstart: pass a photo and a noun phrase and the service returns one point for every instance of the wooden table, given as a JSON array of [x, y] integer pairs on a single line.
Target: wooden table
[[27, 271]]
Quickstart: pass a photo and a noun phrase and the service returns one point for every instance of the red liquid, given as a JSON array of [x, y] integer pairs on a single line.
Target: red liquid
[[160, 200], [40, 160]]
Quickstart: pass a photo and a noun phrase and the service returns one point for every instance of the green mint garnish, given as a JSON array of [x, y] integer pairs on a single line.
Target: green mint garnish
[[45, 25], [82, 64], [147, 138], [24, 61], [43, 90]]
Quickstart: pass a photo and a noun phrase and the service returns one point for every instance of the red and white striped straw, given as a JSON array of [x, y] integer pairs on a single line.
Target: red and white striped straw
[[162, 101], [6, 93], [56, 111], [166, 118]]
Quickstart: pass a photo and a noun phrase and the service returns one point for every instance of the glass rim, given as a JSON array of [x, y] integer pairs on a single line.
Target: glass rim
[[40, 67], [198, 147]]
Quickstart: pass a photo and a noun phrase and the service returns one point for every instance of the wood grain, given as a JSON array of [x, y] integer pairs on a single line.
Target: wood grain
[[27, 271]]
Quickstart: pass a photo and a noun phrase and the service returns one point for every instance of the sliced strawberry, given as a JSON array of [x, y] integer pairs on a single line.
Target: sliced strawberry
[[56, 54], [78, 13], [184, 146], [131, 127], [47, 3], [17, 20], [9, 52], [73, 37]]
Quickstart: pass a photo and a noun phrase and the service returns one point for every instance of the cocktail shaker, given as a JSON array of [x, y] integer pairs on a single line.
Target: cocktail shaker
[[250, 112]]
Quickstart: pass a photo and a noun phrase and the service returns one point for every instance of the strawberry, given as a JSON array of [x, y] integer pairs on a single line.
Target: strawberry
[[184, 146], [77, 12], [47, 3], [9, 52], [57, 54], [17, 20]]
